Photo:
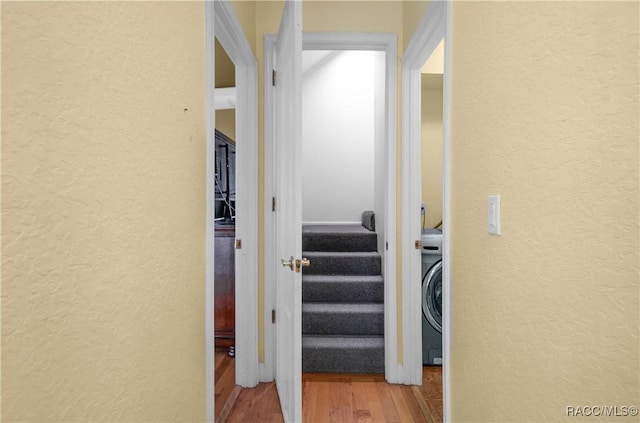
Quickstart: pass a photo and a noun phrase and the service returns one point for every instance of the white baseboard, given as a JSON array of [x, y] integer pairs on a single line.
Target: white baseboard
[[265, 373]]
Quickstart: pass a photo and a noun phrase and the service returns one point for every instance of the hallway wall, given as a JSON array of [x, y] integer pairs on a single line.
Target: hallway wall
[[338, 135], [103, 211], [226, 122], [545, 112], [103, 206], [431, 108]]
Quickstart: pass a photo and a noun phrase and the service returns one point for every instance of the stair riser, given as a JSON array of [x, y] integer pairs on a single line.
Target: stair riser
[[343, 292], [344, 265], [343, 360], [339, 242], [329, 323]]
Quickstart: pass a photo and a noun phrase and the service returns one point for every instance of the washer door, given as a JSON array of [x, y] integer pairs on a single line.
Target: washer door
[[432, 296]]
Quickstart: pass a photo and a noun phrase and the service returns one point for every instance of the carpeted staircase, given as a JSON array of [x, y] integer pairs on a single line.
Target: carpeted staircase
[[342, 300]]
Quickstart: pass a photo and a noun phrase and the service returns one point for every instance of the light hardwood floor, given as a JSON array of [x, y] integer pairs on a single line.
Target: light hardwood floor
[[331, 398]]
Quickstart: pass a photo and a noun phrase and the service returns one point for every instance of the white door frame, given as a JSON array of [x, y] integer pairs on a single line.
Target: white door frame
[[266, 369], [229, 32], [231, 36], [386, 42], [209, 304], [435, 25]]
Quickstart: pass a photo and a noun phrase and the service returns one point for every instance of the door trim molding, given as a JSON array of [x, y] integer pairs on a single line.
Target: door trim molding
[[231, 36], [266, 369], [446, 214], [386, 42], [209, 303], [434, 26]]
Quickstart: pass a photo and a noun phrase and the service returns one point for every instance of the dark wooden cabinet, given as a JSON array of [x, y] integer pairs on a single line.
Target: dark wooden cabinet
[[225, 313]]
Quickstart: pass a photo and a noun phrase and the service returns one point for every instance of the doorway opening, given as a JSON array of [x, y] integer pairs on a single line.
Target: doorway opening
[[338, 134], [432, 95], [225, 230], [384, 178], [232, 198], [425, 201], [343, 288]]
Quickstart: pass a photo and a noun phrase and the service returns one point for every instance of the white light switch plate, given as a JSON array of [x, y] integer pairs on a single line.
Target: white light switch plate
[[493, 214]]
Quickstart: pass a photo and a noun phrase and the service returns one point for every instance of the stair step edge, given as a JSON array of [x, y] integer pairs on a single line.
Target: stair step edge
[[336, 228], [327, 341], [342, 278], [343, 307], [341, 253]]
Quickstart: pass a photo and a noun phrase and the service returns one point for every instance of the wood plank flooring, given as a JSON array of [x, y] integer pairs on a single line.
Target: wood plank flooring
[[226, 390], [331, 398]]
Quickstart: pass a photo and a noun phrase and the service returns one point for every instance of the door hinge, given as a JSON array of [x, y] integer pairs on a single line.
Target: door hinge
[[418, 244], [386, 245], [273, 204], [238, 244], [273, 316], [273, 77]]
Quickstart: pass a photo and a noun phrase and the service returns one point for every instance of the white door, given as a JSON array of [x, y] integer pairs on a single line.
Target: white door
[[288, 133]]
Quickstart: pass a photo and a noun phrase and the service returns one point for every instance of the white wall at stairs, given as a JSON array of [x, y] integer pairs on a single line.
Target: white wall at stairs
[[338, 135]]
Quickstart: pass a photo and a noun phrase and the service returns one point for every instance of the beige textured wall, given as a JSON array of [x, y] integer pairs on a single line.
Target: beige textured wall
[[1, 219], [246, 13], [432, 148], [375, 16], [103, 214], [226, 122], [545, 113], [225, 70], [412, 13]]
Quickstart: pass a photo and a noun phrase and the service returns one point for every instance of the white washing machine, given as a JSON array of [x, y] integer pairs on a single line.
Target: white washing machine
[[432, 297]]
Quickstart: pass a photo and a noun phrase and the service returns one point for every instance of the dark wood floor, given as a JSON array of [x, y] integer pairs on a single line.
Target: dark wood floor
[[331, 398]]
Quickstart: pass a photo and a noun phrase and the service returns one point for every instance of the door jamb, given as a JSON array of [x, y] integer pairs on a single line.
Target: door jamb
[[267, 370], [434, 26], [229, 32], [386, 42], [209, 305]]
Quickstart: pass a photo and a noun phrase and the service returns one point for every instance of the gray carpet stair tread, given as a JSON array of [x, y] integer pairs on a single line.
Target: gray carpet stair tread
[[318, 341], [342, 354], [340, 254], [347, 308], [343, 263], [342, 319], [342, 278], [335, 229], [342, 288], [338, 238]]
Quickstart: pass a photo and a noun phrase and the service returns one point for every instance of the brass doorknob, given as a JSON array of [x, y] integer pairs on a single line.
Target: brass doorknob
[[302, 263], [287, 263]]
